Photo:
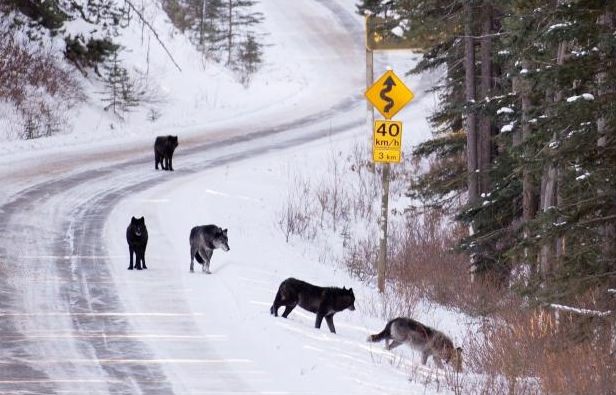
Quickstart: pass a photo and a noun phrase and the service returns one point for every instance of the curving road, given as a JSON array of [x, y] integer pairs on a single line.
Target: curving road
[[63, 328]]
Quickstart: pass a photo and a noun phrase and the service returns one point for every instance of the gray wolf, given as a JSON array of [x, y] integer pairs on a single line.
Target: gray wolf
[[203, 241], [163, 151], [324, 301], [422, 338], [137, 239]]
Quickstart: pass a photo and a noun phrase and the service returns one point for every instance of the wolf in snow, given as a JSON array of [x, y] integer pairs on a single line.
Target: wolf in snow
[[137, 239], [163, 151], [203, 241], [324, 301], [429, 341]]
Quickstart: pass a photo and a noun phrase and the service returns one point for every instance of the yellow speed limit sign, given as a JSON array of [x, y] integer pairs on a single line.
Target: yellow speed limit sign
[[387, 141]]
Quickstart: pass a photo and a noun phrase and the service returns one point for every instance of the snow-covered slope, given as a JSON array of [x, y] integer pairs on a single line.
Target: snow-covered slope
[[227, 330], [300, 64]]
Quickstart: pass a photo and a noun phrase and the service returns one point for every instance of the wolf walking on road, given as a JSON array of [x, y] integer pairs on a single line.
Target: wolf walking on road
[[324, 301], [137, 239], [203, 241], [422, 338], [163, 151]]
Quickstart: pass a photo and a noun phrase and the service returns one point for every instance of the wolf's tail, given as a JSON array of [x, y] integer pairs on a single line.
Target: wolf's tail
[[384, 334], [199, 258]]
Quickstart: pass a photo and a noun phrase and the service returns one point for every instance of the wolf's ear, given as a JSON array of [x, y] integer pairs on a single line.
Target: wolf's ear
[[224, 232], [344, 288], [142, 220], [351, 289], [133, 219]]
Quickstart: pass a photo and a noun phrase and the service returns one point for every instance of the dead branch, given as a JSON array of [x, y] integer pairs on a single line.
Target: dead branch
[[153, 31]]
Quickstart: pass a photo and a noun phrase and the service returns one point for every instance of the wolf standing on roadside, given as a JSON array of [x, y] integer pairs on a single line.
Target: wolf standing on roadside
[[422, 338], [137, 239], [163, 151], [203, 241], [324, 301]]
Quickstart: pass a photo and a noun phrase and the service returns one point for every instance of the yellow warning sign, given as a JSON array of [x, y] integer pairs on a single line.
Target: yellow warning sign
[[389, 94], [387, 141]]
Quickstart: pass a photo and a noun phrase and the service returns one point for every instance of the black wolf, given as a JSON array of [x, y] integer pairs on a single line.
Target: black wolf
[[422, 338], [324, 301], [203, 241], [163, 151], [137, 239]]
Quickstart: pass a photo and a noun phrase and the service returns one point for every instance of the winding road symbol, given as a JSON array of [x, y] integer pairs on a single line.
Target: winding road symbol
[[389, 94], [388, 84]]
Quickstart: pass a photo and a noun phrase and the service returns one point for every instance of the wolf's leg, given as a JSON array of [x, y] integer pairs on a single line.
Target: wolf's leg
[[138, 258], [156, 160], [317, 323], [424, 356], [130, 253], [392, 345], [438, 362], [193, 250], [275, 305], [287, 310], [171, 163], [330, 323], [143, 259], [207, 256]]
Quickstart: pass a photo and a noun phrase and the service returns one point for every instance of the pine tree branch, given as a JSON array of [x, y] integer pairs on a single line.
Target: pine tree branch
[[153, 31]]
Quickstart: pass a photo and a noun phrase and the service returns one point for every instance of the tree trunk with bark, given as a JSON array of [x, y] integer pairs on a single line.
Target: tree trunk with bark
[[484, 146], [471, 117], [549, 190]]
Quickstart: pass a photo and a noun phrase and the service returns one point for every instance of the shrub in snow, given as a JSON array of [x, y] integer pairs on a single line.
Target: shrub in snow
[[36, 81]]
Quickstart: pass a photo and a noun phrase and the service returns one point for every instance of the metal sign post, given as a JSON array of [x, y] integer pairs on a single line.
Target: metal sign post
[[389, 95]]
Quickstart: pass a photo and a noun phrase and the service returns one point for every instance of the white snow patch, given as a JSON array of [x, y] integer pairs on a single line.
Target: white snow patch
[[398, 31], [559, 26], [507, 128], [585, 96], [504, 110]]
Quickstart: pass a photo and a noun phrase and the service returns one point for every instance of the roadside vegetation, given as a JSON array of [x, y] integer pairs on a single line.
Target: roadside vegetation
[[51, 50]]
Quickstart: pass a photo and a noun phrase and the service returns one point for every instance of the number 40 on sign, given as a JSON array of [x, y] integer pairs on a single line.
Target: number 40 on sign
[[387, 142]]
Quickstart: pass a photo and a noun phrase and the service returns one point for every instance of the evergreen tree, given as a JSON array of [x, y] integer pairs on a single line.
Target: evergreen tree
[[249, 58], [237, 17], [525, 131], [119, 90]]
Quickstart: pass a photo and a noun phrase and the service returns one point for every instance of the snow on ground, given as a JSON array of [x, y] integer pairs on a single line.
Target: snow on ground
[[231, 306]]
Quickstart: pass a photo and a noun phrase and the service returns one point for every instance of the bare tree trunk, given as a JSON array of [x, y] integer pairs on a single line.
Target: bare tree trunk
[[230, 32], [548, 200], [471, 118], [528, 193], [528, 203], [609, 229], [202, 25], [484, 146], [521, 87], [549, 190]]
